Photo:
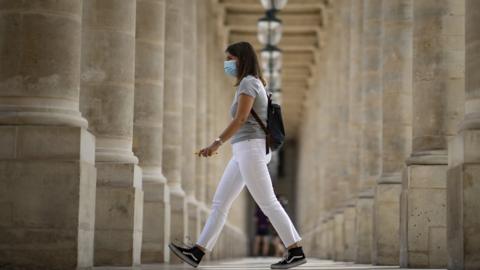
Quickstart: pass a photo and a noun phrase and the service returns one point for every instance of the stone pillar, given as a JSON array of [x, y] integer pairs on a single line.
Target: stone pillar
[[463, 203], [47, 173], [173, 111], [397, 85], [346, 187], [201, 112], [349, 218], [354, 131], [107, 101], [339, 248], [189, 114], [331, 237], [438, 80], [371, 126], [148, 127]]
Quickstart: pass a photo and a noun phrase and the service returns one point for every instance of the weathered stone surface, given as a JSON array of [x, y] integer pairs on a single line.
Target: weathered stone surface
[[39, 71], [119, 215], [107, 76], [462, 206], [47, 201], [339, 235], [349, 232], [148, 127], [364, 224], [423, 218], [386, 225]]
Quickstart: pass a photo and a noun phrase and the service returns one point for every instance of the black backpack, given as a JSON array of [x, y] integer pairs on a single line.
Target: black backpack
[[274, 131]]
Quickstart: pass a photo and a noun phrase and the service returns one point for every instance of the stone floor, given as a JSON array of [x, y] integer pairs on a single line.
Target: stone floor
[[257, 263]]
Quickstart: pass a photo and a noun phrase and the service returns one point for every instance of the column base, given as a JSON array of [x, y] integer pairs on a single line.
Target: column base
[[462, 217], [179, 219], [463, 204], [204, 213], [330, 238], [364, 227], [47, 197], [192, 208], [119, 215], [323, 239], [423, 228], [156, 223], [339, 254], [386, 223], [349, 227]]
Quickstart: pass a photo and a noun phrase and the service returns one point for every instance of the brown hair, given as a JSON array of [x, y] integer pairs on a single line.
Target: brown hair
[[247, 61]]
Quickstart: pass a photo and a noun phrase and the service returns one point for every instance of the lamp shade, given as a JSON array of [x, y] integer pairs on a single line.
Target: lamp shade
[[269, 30], [271, 57], [273, 80], [277, 96], [273, 4]]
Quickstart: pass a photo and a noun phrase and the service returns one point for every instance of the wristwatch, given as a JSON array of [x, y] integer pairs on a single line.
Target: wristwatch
[[219, 140]]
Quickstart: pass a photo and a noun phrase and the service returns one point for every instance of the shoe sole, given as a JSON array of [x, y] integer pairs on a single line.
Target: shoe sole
[[297, 263], [182, 256]]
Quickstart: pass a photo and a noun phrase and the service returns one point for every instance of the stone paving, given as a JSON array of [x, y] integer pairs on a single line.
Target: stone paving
[[257, 263]]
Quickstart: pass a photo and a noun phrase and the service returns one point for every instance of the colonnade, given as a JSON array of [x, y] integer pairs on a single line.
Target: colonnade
[[395, 165], [103, 104]]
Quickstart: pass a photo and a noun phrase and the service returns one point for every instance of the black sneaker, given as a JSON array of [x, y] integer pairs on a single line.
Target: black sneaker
[[191, 255], [294, 257]]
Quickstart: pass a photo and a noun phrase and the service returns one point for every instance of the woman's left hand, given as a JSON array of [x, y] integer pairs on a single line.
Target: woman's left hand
[[210, 150]]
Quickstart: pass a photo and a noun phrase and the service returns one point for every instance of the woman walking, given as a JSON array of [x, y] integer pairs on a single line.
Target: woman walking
[[248, 165]]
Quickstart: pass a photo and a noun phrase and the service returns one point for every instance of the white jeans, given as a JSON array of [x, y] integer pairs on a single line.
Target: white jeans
[[248, 166]]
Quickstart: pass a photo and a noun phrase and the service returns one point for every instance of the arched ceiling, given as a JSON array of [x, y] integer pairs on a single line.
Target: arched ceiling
[[303, 22]]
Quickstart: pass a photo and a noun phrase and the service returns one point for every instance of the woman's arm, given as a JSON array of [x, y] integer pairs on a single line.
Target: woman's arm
[[245, 104]]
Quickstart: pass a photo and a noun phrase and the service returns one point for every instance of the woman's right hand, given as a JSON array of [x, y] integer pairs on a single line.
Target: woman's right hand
[[210, 150]]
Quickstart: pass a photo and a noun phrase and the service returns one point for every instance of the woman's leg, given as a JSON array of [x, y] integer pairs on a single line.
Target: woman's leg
[[256, 244], [265, 245], [252, 162], [231, 184]]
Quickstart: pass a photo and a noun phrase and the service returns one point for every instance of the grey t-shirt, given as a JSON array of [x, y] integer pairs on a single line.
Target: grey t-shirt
[[251, 86]]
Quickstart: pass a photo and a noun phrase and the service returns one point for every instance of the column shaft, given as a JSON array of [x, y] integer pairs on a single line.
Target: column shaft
[[189, 133], [354, 129], [173, 123], [201, 164], [463, 175], [148, 126], [396, 118], [371, 108], [438, 63], [47, 162], [107, 101]]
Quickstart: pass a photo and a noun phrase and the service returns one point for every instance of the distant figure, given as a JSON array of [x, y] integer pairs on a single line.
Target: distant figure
[[262, 234]]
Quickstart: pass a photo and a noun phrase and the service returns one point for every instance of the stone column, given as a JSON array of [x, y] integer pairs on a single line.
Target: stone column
[[201, 109], [342, 119], [47, 173], [107, 92], [438, 80], [371, 126], [338, 221], [355, 91], [396, 145], [189, 114], [463, 203], [148, 127], [173, 111]]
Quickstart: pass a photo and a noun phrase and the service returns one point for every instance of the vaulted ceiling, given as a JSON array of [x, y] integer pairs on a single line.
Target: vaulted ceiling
[[302, 22]]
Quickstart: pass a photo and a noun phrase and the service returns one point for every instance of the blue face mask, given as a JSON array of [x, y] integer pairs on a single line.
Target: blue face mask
[[230, 67]]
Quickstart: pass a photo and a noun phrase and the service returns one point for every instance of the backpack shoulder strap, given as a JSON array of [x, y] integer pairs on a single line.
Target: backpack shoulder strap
[[255, 115]]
